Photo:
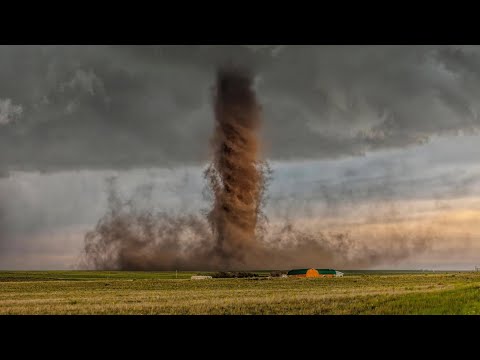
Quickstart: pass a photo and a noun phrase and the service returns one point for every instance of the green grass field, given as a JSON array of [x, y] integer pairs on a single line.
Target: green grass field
[[92, 292]]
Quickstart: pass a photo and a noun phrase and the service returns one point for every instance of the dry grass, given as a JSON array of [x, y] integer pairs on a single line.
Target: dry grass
[[153, 293]]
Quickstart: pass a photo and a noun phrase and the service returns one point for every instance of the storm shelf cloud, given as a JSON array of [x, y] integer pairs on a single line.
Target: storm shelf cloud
[[343, 127], [122, 107]]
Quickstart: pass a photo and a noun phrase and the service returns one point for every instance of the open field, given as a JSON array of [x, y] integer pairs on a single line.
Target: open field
[[92, 292]]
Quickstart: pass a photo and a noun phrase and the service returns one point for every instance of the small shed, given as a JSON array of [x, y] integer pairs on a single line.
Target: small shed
[[200, 277]]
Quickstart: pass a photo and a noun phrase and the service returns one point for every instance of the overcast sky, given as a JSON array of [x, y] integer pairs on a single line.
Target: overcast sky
[[348, 129]]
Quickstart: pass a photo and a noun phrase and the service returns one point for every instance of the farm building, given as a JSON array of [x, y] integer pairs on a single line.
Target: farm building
[[314, 273]]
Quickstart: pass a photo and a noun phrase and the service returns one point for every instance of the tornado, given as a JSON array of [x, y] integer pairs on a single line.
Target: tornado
[[233, 233], [236, 174]]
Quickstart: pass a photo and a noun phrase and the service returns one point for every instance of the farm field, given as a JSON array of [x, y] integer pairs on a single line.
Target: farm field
[[94, 292]]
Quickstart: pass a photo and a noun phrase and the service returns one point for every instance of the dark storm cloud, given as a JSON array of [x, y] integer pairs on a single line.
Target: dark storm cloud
[[71, 107]]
